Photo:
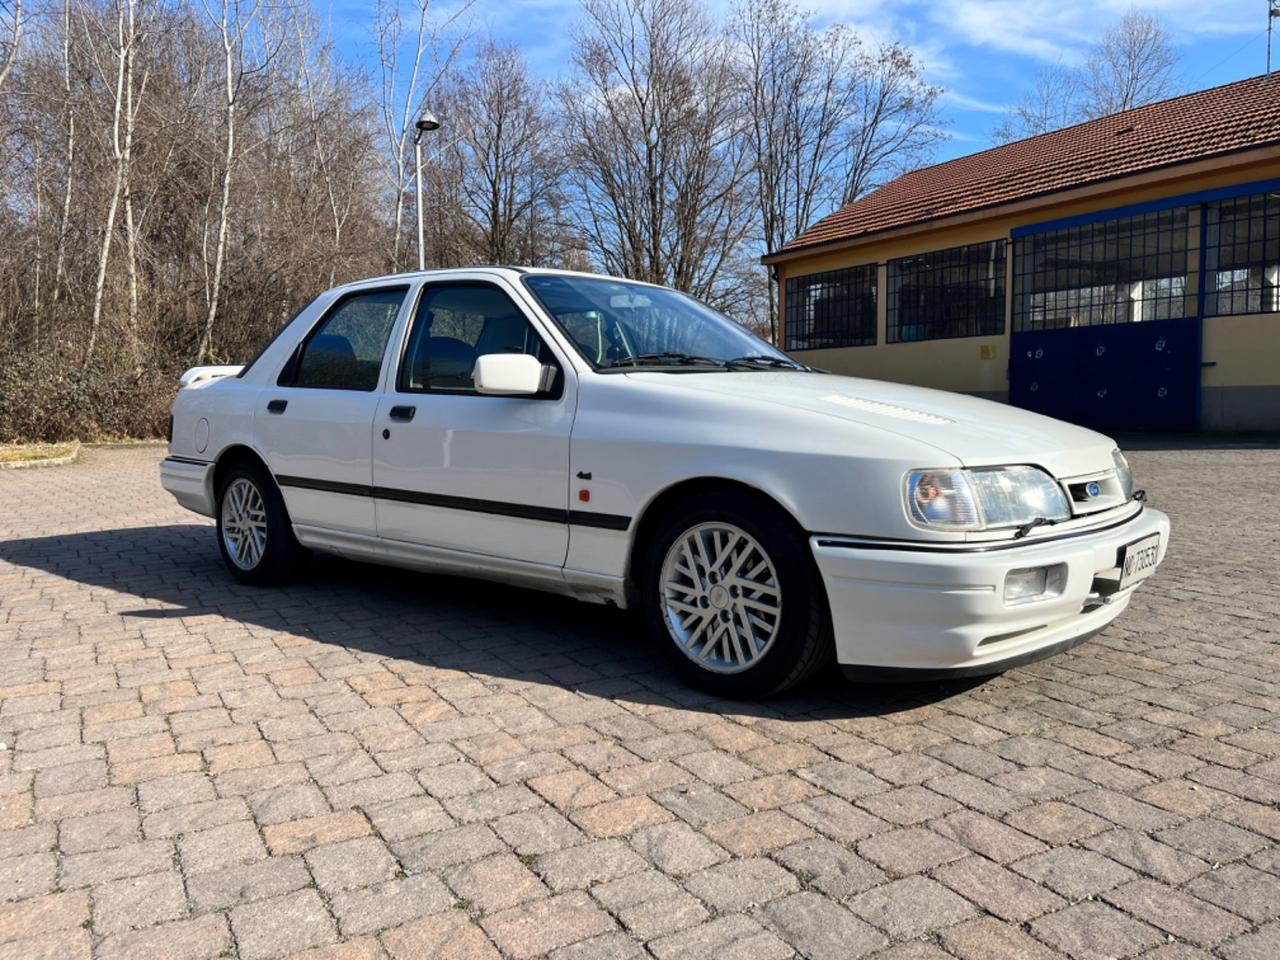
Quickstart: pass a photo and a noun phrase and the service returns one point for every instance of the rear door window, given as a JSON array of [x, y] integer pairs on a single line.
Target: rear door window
[[345, 349]]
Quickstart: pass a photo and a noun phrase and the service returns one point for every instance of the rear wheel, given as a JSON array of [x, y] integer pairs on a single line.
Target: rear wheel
[[732, 596], [255, 536]]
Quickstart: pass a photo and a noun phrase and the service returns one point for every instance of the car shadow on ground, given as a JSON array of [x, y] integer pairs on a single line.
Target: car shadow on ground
[[174, 572]]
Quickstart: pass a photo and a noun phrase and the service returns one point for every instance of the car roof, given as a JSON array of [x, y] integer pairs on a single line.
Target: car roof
[[508, 271]]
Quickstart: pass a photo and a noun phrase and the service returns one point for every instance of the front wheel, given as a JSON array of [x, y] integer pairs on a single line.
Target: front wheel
[[255, 536], [732, 595]]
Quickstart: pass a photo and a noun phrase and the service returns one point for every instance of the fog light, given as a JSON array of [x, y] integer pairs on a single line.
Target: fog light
[[1035, 583]]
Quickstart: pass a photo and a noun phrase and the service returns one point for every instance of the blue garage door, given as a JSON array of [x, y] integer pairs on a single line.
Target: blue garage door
[[1123, 376], [1106, 331]]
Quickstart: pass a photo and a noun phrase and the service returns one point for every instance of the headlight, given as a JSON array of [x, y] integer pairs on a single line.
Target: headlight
[[984, 499], [1124, 476]]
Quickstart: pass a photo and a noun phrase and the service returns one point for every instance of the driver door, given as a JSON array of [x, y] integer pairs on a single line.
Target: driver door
[[460, 471]]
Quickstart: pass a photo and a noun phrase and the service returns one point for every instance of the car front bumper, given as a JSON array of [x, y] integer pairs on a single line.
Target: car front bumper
[[190, 481], [915, 610]]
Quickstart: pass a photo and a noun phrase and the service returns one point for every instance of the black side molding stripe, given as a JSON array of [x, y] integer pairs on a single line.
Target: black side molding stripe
[[497, 507], [602, 521], [191, 460], [580, 518], [328, 486], [919, 546]]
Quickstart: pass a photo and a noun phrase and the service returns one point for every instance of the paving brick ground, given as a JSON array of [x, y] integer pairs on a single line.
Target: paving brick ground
[[376, 764]]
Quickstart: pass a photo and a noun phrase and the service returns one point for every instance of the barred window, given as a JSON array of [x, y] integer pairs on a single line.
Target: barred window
[[1125, 270], [833, 309], [1242, 256], [957, 292]]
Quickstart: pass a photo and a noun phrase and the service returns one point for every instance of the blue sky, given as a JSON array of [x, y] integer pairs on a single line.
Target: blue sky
[[983, 53]]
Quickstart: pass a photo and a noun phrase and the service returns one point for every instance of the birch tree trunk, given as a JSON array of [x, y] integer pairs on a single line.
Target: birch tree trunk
[[108, 232], [336, 216], [11, 51], [230, 48], [64, 224], [126, 163]]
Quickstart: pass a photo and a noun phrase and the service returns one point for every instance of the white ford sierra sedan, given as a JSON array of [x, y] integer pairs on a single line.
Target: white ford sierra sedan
[[622, 443]]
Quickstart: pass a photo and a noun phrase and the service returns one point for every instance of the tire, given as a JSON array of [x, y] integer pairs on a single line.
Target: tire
[[252, 514], [772, 635]]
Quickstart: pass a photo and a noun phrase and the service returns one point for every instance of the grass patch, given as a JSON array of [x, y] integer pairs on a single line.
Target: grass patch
[[15, 452]]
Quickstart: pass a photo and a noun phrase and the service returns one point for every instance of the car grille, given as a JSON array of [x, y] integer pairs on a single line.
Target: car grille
[[1093, 493]]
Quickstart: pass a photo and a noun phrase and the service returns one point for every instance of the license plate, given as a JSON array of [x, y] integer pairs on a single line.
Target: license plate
[[1138, 560]]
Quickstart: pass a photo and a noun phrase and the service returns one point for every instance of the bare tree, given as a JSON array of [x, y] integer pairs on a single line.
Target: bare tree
[[509, 160], [895, 124], [320, 87], [654, 128], [1053, 102], [122, 51], [233, 20], [114, 121], [828, 120], [1132, 64], [10, 36], [64, 222], [179, 175], [797, 100], [404, 97]]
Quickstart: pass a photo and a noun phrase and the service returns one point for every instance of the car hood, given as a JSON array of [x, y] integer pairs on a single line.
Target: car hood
[[976, 432]]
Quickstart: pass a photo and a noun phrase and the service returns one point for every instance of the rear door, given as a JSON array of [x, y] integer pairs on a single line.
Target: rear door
[[456, 470], [314, 425]]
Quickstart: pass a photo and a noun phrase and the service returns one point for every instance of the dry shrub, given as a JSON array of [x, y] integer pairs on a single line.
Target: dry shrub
[[45, 398]]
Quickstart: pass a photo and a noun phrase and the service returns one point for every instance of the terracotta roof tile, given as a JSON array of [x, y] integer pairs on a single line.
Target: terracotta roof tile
[[1220, 120]]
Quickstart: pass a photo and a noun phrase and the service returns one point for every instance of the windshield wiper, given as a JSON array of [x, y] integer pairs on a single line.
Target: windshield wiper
[[669, 358], [763, 361], [1031, 524]]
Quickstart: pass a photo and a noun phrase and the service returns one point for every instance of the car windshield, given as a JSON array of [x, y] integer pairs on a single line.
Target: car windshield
[[616, 324]]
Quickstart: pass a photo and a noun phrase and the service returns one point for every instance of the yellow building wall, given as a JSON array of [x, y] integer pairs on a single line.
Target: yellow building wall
[[1245, 350]]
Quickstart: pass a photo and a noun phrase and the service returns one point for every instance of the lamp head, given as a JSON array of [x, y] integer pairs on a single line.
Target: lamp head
[[426, 123]]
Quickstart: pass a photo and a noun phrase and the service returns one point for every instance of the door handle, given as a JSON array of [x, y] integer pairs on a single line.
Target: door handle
[[403, 413], [277, 406]]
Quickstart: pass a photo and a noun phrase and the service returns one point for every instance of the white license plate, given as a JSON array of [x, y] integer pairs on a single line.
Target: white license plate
[[1138, 560]]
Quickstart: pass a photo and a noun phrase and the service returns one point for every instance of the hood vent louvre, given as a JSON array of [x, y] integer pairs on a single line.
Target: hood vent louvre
[[884, 409]]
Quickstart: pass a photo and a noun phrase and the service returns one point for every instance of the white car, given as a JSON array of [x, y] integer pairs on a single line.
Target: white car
[[624, 444]]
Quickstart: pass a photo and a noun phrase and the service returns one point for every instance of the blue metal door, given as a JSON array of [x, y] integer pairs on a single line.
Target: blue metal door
[[1115, 376]]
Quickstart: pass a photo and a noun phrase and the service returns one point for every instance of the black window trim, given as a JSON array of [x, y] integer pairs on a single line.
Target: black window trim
[[1173, 241], [1213, 250], [276, 336], [289, 372], [872, 267], [554, 392], [893, 320]]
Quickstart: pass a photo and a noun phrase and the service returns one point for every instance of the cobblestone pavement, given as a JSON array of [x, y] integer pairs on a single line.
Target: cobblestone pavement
[[380, 764]]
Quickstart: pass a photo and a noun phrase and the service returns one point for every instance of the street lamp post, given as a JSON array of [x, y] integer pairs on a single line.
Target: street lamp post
[[425, 124]]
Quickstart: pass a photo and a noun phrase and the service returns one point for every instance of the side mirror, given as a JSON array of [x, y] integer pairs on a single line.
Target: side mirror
[[509, 375]]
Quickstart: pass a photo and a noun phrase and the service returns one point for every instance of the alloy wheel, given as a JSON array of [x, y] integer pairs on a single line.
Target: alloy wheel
[[721, 599], [244, 523]]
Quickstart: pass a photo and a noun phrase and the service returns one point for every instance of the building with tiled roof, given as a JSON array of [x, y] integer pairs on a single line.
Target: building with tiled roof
[[1123, 272]]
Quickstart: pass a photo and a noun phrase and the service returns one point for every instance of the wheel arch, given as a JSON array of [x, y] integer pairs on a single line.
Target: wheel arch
[[666, 500], [227, 458]]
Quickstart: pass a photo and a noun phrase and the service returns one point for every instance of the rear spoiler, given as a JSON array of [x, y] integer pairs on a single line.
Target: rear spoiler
[[197, 375]]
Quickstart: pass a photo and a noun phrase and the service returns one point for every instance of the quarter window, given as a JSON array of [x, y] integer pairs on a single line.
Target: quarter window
[[958, 292], [345, 350], [455, 324], [1242, 256], [1124, 270], [832, 309]]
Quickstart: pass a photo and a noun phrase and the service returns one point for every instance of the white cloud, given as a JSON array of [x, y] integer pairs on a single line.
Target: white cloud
[[965, 102], [1061, 31]]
